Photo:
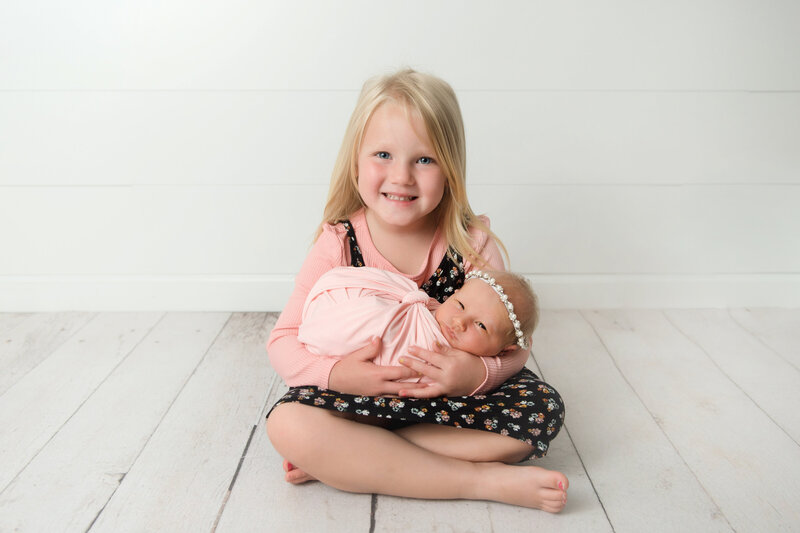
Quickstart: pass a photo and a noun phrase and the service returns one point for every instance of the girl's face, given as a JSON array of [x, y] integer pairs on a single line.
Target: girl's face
[[399, 179], [474, 320]]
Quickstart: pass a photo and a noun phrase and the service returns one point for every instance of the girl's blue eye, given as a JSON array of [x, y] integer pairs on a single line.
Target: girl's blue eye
[[480, 325], [383, 155], [425, 160]]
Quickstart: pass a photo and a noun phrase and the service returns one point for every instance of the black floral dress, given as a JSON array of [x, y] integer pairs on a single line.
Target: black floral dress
[[524, 407]]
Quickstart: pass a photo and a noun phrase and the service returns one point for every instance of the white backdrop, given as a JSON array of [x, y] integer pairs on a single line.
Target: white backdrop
[[175, 154]]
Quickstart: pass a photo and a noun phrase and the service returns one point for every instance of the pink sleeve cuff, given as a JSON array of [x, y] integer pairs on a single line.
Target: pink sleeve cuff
[[499, 369], [493, 378]]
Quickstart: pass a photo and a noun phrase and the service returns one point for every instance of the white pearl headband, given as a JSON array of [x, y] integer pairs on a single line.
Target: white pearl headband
[[483, 276]]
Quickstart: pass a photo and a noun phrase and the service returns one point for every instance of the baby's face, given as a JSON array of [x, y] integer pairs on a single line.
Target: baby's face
[[474, 319]]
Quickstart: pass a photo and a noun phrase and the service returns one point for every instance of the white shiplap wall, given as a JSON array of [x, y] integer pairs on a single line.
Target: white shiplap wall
[[175, 155]]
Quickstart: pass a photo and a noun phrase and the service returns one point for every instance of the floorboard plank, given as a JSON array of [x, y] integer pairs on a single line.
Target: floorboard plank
[[262, 501], [43, 400], [767, 378], [394, 514], [749, 466], [83, 464], [180, 479], [9, 321], [33, 340], [632, 465], [779, 329]]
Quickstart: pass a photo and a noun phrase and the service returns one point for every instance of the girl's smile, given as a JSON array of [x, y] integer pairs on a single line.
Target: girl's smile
[[396, 197], [399, 179]]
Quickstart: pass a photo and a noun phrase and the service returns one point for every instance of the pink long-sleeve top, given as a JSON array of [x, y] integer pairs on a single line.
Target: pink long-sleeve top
[[376, 302], [298, 366]]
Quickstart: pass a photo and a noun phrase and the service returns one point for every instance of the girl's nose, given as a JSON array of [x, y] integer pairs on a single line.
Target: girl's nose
[[458, 323], [402, 175]]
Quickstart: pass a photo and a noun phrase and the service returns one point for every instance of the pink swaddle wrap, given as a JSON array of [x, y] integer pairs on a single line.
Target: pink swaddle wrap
[[348, 305]]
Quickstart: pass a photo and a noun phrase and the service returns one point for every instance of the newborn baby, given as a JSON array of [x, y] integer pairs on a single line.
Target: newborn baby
[[492, 314]]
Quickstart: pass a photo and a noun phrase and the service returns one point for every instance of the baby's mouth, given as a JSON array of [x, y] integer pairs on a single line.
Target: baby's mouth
[[391, 196]]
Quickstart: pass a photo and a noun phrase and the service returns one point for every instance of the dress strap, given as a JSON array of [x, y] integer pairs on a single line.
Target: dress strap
[[356, 259]]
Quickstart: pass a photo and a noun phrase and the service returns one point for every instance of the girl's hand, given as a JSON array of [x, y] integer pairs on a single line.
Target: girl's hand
[[454, 372], [357, 374]]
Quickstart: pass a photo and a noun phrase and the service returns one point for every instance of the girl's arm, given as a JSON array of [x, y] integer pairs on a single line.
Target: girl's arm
[[457, 373], [287, 355]]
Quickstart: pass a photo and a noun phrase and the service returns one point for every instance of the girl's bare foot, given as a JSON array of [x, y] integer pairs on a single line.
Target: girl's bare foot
[[294, 475], [528, 486]]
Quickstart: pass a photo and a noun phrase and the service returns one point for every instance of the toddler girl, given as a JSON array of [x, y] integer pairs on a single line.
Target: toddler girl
[[397, 202], [491, 314]]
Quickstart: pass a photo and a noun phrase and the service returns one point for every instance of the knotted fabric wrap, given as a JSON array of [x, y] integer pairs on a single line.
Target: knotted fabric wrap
[[348, 306]]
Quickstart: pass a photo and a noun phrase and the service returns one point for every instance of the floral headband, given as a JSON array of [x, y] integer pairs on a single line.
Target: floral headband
[[483, 276]]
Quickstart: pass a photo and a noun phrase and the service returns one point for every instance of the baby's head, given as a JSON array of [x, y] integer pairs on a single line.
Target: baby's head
[[477, 320]]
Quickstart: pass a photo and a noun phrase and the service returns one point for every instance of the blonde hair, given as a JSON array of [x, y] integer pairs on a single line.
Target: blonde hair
[[436, 103], [526, 303]]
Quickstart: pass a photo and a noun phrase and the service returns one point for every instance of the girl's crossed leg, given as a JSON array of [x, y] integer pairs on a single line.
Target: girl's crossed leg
[[421, 461]]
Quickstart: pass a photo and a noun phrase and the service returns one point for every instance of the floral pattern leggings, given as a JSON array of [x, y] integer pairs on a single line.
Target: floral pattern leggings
[[524, 407]]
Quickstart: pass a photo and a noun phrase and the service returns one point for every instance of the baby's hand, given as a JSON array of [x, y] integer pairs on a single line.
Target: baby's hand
[[453, 372]]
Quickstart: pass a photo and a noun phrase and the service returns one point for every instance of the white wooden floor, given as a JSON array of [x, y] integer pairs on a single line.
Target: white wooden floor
[[676, 421]]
